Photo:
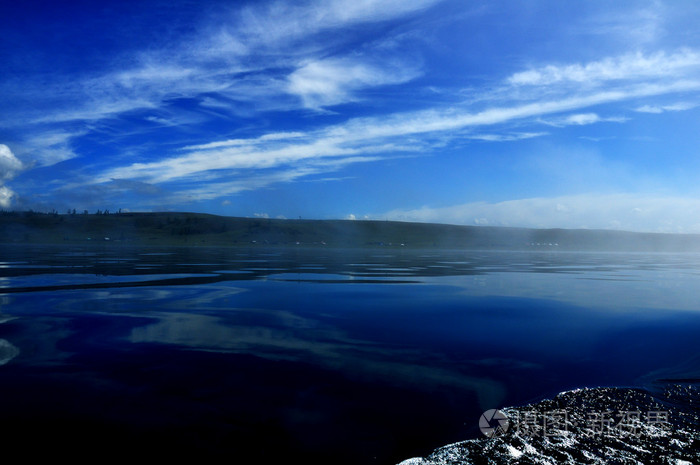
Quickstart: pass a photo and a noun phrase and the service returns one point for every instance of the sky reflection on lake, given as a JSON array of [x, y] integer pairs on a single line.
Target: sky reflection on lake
[[310, 352]]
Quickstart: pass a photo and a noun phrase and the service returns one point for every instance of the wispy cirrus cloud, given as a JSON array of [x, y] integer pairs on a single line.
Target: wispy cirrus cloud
[[208, 160], [279, 92], [382, 135], [327, 82], [637, 66], [266, 50], [266, 55], [222, 186], [270, 24], [679, 106], [639, 26], [506, 137], [583, 119], [455, 118]]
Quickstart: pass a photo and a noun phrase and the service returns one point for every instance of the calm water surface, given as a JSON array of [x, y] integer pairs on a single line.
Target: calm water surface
[[323, 356]]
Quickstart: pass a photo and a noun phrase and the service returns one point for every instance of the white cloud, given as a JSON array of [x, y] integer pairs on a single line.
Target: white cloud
[[275, 136], [6, 196], [634, 212], [97, 109], [271, 53], [638, 26], [277, 22], [361, 137], [427, 121], [506, 137], [10, 165], [583, 119], [680, 106], [240, 56], [430, 121], [335, 80], [275, 150], [49, 147], [650, 109], [217, 187], [627, 67]]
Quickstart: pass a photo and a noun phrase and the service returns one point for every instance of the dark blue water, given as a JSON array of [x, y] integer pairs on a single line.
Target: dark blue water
[[321, 356]]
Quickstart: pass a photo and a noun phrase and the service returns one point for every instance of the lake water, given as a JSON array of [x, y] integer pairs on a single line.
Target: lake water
[[320, 355]]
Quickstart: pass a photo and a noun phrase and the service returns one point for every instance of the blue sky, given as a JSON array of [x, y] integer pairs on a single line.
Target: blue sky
[[513, 113]]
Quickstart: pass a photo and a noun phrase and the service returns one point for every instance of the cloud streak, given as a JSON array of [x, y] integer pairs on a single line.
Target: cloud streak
[[282, 92], [264, 51], [382, 135], [268, 55], [627, 67], [583, 119], [328, 82], [680, 106]]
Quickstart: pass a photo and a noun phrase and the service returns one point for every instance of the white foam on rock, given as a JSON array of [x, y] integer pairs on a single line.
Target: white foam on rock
[[414, 461], [514, 452]]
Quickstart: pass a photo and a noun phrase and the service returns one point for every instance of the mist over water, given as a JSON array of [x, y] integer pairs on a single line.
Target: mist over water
[[328, 355]]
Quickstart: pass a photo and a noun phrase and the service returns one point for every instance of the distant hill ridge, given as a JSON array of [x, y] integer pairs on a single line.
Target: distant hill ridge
[[182, 228]]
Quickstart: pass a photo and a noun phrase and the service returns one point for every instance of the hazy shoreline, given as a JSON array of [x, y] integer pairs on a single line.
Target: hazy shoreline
[[193, 229]]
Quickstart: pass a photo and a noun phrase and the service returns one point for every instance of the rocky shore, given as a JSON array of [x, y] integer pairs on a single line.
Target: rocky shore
[[588, 426]]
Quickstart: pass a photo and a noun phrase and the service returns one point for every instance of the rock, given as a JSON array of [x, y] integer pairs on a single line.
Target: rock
[[590, 426]]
